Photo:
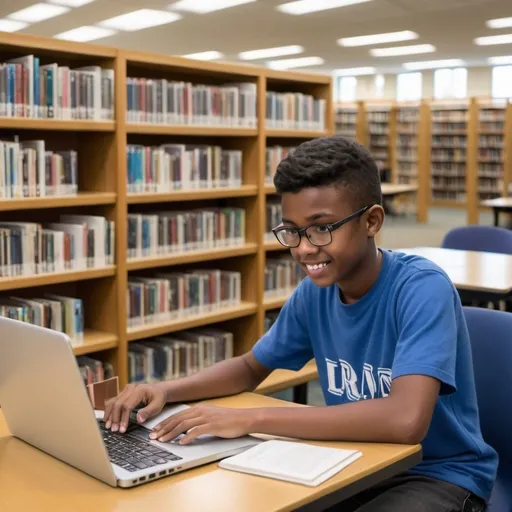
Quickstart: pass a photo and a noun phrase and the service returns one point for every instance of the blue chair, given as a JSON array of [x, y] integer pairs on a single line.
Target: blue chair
[[479, 238], [490, 332]]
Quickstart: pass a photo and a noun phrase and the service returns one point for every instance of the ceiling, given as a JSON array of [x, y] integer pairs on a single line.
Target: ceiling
[[450, 25]]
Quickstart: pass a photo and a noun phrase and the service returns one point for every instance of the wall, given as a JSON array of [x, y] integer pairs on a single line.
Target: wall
[[479, 84]]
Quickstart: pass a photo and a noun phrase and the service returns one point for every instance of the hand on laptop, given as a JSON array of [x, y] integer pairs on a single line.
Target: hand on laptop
[[118, 409], [204, 419]]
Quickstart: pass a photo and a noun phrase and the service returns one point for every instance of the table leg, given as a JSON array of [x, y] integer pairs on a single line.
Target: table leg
[[496, 213], [300, 394]]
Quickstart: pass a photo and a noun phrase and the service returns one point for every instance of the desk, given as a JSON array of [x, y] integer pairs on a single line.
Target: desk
[[498, 205], [33, 481], [488, 275], [395, 189]]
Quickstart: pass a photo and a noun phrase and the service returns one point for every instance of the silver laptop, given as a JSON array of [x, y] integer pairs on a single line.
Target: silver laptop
[[46, 404]]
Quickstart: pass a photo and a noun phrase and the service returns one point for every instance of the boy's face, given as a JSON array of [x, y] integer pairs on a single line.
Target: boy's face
[[336, 261]]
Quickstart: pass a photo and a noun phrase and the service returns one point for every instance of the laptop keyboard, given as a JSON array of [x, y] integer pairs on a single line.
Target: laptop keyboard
[[132, 450]]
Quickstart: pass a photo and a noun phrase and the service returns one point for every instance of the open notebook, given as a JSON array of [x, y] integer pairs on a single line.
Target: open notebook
[[300, 463]]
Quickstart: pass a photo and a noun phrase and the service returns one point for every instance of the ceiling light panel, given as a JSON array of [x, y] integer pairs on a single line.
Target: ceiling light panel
[[499, 23], [308, 6], [268, 53], [206, 6], [71, 3], [208, 55], [38, 12], [11, 25], [299, 62], [433, 64], [402, 50], [85, 33], [138, 20], [491, 40], [354, 71], [388, 37], [505, 59]]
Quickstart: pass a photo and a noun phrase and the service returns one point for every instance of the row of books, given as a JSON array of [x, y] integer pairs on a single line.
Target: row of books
[[379, 140], [295, 111], [447, 141], [494, 155], [345, 121], [181, 167], [448, 169], [491, 141], [29, 89], [451, 128], [378, 116], [168, 296], [27, 169], [273, 156], [178, 355], [57, 312], [161, 233], [282, 275], [448, 155], [488, 126], [449, 116], [93, 370], [76, 242], [490, 170], [274, 218], [170, 102]]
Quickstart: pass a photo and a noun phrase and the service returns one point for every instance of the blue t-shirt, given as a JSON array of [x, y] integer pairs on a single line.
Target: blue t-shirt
[[410, 322]]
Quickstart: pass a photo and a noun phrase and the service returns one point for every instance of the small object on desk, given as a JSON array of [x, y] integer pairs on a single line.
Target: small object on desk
[[299, 463], [100, 392]]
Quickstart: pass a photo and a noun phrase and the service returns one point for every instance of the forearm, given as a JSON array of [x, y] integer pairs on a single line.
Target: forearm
[[224, 378], [380, 420]]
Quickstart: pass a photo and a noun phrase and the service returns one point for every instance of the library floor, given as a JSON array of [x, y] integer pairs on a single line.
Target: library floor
[[405, 232]]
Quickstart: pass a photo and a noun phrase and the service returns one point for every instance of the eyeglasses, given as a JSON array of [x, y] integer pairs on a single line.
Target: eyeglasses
[[317, 234]]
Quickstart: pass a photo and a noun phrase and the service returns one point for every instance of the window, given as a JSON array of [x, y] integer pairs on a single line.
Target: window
[[346, 88], [502, 82], [409, 86], [450, 83]]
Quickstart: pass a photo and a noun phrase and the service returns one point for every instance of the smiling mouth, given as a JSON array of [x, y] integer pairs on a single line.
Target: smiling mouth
[[316, 266]]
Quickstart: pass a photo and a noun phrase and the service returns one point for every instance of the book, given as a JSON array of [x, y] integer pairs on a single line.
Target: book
[[273, 155], [282, 275], [294, 111], [300, 463]]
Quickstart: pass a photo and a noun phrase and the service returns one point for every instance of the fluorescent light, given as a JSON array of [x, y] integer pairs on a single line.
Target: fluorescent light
[[137, 20], [506, 59], [38, 12], [12, 26], [295, 63], [208, 55], [402, 50], [266, 53], [205, 6], [388, 37], [354, 71], [85, 33], [499, 23], [432, 64], [489, 40], [71, 3], [307, 6]]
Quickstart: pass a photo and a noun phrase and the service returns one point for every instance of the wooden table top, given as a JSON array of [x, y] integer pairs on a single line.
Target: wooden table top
[[389, 189], [32, 480], [499, 202], [471, 270]]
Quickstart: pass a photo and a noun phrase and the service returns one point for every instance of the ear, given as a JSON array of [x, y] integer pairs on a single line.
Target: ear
[[374, 220]]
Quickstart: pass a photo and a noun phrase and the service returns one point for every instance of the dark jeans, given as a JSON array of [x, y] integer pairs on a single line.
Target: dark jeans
[[411, 493]]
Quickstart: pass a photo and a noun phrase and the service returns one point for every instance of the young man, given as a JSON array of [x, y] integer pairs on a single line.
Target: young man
[[387, 332]]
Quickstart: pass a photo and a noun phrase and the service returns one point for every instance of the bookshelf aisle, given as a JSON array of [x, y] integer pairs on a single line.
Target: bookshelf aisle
[[380, 132], [346, 117], [155, 188]]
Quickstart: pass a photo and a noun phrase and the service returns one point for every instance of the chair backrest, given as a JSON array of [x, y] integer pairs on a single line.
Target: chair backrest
[[479, 238], [490, 332]]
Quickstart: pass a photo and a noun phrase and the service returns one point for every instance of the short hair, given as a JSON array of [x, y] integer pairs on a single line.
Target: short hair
[[331, 161]]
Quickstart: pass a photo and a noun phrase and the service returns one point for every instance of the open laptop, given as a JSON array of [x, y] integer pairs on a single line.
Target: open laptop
[[46, 404]]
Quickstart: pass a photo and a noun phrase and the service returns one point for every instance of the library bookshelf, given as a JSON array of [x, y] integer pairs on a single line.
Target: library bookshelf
[[109, 183], [457, 152]]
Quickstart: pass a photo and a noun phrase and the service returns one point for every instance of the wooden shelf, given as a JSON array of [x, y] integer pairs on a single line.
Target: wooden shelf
[[275, 302], [35, 203], [193, 195], [191, 257], [275, 246], [270, 189], [95, 341], [18, 282], [180, 324], [290, 134], [201, 131], [283, 379], [24, 123]]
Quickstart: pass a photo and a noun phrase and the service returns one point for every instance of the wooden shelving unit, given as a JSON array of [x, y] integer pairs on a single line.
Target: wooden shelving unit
[[380, 134], [103, 190]]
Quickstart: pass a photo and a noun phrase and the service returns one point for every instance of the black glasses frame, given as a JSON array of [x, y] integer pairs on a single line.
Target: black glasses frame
[[331, 227]]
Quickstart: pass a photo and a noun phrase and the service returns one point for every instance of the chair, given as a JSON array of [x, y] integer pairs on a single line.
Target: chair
[[479, 238], [490, 333]]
